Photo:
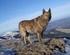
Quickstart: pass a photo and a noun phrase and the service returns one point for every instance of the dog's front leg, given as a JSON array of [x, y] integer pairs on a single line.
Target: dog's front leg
[[29, 39], [39, 37], [23, 36]]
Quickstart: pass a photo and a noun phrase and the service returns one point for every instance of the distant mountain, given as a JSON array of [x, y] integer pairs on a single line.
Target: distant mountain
[[62, 23], [58, 28]]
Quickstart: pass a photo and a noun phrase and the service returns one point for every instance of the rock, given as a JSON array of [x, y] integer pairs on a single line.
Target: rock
[[43, 49], [35, 49], [46, 48]]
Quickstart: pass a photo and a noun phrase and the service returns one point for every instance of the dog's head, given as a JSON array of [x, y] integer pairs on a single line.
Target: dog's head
[[47, 14]]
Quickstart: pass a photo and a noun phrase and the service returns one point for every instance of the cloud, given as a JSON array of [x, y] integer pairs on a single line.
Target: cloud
[[57, 12]]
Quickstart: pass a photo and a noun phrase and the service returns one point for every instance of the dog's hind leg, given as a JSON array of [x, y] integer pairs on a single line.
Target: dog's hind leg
[[23, 36]]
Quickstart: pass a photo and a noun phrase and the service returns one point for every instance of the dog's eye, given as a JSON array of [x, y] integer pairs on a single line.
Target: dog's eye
[[46, 15]]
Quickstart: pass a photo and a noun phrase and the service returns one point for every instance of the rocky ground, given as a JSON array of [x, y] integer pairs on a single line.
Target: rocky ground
[[14, 46], [18, 48]]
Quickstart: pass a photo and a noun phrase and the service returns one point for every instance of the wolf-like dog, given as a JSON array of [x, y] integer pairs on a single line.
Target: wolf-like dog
[[36, 26]]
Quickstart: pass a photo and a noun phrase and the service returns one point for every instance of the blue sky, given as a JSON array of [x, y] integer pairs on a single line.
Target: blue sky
[[13, 11]]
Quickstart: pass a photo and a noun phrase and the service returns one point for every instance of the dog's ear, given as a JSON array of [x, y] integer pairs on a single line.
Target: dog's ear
[[44, 11], [49, 11]]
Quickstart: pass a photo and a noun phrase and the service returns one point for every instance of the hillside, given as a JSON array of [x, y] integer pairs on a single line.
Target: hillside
[[62, 23]]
